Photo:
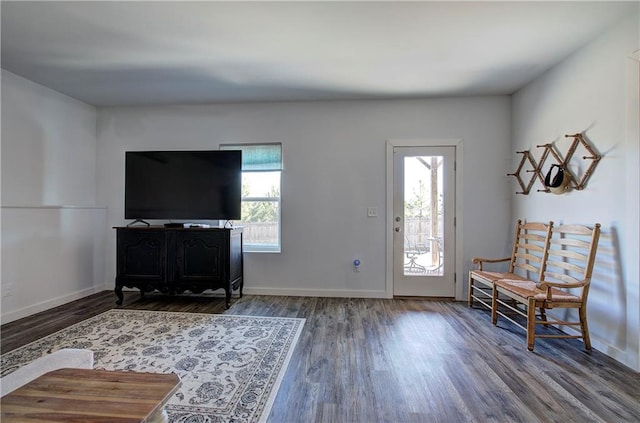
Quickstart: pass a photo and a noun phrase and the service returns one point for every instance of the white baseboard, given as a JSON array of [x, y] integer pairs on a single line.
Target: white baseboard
[[299, 292], [46, 305]]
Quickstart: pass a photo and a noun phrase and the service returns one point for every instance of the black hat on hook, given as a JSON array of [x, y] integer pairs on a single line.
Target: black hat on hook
[[557, 179]]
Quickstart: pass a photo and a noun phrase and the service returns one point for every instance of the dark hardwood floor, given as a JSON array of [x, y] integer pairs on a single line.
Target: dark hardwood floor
[[403, 360]]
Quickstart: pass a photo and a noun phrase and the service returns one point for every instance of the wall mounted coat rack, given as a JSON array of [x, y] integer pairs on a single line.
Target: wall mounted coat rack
[[578, 181]]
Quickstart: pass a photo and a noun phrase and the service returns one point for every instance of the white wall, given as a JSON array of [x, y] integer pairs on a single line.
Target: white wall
[[52, 231], [334, 168], [594, 91]]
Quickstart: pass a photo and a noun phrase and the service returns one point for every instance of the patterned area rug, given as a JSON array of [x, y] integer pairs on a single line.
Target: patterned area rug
[[231, 366]]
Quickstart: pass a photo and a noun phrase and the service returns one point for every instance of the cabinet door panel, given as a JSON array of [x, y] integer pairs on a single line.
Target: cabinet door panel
[[141, 255], [200, 256]]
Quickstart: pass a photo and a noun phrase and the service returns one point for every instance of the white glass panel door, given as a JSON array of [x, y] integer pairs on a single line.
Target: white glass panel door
[[424, 237]]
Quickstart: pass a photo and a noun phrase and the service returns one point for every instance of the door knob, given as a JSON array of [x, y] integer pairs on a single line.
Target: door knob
[[398, 219]]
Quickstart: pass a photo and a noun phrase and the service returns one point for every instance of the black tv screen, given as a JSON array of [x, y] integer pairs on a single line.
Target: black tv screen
[[183, 185]]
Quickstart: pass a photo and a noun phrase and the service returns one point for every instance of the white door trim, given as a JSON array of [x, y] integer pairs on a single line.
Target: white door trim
[[457, 142]]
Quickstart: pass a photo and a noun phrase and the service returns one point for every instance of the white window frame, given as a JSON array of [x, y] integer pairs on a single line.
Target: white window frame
[[262, 248]]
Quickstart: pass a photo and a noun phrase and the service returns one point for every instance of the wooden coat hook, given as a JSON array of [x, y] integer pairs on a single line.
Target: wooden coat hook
[[578, 139], [526, 187], [548, 149]]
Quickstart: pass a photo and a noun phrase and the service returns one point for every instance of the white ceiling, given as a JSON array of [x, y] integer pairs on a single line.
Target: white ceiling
[[134, 53]]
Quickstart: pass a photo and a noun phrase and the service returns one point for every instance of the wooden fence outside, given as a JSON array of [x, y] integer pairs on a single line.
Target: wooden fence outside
[[260, 232]]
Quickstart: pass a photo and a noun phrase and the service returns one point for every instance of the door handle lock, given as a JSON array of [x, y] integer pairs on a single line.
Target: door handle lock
[[398, 219], [397, 229]]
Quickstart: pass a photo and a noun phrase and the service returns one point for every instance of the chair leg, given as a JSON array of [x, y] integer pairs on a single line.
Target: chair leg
[[543, 316], [531, 324], [585, 329], [470, 293], [494, 306]]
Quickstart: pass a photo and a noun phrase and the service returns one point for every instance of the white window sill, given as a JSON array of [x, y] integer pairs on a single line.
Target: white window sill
[[248, 248]]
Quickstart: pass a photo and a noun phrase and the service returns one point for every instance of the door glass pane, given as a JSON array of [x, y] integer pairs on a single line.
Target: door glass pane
[[423, 216]]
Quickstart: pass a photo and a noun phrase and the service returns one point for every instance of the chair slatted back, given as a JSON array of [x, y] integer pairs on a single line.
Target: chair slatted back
[[572, 254], [530, 249]]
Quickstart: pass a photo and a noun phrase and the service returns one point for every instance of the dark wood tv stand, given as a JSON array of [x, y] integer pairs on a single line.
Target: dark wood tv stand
[[175, 260]]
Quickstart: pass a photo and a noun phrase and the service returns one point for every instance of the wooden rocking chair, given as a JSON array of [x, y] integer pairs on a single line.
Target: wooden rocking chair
[[565, 284]]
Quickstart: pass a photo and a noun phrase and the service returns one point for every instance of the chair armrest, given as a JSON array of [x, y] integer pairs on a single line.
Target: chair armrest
[[547, 285], [480, 260]]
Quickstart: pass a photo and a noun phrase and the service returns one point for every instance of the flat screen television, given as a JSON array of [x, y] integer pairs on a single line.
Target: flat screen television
[[198, 185]]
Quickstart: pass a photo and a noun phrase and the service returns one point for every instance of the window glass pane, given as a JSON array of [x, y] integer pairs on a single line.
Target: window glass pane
[[260, 223], [261, 184]]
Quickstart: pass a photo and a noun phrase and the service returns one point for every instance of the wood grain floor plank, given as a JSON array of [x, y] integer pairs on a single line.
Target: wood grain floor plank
[[402, 361]]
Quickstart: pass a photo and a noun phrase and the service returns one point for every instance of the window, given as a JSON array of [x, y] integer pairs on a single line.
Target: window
[[261, 171]]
